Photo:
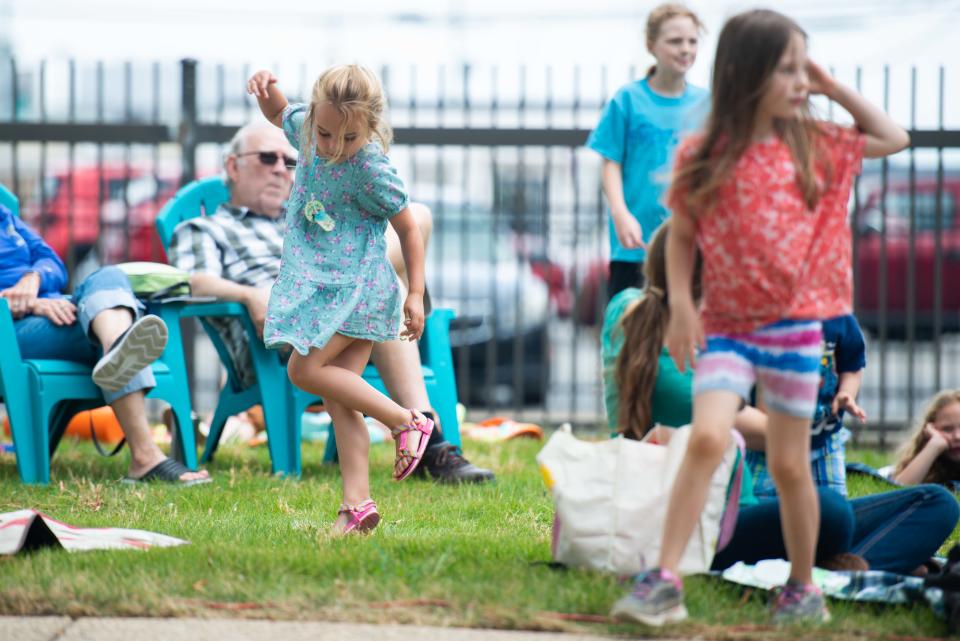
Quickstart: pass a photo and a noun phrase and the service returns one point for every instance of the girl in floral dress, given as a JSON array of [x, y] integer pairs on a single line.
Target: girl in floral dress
[[337, 292]]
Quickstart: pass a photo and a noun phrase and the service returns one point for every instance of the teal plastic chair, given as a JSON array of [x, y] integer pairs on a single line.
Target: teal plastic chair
[[8, 200], [283, 403], [42, 395]]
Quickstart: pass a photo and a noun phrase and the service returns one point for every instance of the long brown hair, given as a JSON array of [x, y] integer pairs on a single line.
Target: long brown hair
[[643, 326], [748, 52], [659, 16], [943, 469]]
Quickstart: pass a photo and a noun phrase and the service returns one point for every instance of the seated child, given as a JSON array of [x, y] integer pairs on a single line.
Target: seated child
[[932, 454]]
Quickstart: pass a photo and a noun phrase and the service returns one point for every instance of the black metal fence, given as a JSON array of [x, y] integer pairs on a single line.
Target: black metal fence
[[519, 240]]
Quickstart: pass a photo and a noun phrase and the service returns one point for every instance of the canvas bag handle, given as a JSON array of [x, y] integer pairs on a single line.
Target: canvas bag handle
[[728, 522]]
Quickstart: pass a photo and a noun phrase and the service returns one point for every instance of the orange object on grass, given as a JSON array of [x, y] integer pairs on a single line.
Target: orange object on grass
[[500, 428], [104, 421]]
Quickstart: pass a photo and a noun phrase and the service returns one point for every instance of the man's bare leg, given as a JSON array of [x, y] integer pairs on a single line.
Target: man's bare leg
[[400, 368], [130, 409]]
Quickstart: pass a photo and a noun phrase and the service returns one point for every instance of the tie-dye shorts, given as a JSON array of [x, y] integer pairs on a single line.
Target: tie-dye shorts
[[782, 358]]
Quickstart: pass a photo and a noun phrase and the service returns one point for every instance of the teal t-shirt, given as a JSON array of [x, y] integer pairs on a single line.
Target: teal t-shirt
[[640, 129], [672, 402], [672, 398]]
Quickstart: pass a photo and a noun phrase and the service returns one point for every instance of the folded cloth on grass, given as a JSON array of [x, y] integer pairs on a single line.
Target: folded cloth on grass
[[883, 474], [500, 428], [886, 474], [872, 585], [28, 530]]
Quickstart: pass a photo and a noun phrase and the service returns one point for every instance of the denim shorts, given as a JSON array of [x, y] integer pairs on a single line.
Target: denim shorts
[[106, 288]]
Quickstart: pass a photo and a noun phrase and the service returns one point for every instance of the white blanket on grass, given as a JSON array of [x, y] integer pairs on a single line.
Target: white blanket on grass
[[26, 530]]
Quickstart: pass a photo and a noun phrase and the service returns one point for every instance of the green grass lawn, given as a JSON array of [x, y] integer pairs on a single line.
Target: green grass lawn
[[451, 556]]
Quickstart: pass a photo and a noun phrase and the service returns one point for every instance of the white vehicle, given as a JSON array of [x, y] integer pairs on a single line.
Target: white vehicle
[[499, 337]]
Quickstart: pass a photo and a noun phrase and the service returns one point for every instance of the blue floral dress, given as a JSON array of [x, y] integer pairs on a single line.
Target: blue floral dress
[[334, 274]]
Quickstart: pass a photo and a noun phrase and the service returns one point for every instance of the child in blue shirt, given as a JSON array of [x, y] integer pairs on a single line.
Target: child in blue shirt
[[637, 135]]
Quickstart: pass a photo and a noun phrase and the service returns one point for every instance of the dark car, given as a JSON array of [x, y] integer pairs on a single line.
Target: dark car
[[883, 225]]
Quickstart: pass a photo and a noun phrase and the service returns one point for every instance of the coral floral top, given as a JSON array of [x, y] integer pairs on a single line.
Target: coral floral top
[[766, 255]]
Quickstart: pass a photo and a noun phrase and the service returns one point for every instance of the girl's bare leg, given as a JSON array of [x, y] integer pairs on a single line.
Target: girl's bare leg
[[713, 414], [318, 374], [788, 457]]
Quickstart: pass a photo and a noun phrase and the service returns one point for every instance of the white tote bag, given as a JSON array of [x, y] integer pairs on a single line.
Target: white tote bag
[[611, 499]]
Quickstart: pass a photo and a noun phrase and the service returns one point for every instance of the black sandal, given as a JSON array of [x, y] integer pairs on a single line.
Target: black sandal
[[168, 471]]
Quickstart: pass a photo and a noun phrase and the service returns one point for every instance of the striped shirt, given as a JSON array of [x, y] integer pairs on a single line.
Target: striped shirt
[[238, 245]]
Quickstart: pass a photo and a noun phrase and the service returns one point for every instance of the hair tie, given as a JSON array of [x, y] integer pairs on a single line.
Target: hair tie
[[656, 292]]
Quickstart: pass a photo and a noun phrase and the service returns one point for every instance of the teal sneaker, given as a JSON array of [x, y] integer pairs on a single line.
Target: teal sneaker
[[656, 598]]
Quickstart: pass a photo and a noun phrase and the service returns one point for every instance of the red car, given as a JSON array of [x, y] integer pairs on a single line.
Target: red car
[[869, 241], [112, 211], [897, 223]]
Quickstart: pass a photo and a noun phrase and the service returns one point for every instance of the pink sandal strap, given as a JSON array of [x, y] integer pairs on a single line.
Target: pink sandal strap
[[362, 517], [419, 423]]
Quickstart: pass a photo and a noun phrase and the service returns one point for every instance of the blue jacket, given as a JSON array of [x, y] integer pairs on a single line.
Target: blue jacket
[[22, 250]]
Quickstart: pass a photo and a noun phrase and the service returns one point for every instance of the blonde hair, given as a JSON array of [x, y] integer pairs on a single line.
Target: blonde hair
[[659, 16], [943, 469], [356, 93]]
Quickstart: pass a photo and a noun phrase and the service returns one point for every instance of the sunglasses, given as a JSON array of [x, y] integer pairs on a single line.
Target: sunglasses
[[270, 158]]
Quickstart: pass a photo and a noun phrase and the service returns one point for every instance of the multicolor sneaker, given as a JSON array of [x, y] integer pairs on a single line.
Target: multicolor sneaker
[[800, 604], [656, 598]]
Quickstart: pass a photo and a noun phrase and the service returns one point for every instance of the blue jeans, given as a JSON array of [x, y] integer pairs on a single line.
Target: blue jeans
[[106, 288], [897, 531], [758, 535]]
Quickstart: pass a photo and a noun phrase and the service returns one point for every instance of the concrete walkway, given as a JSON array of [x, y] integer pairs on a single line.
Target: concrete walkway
[[109, 629]]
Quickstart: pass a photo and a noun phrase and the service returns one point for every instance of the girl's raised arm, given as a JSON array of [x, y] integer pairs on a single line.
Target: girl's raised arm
[[884, 136], [271, 100]]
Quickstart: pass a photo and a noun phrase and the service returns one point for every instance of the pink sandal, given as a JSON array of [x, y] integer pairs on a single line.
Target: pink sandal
[[361, 518], [425, 426]]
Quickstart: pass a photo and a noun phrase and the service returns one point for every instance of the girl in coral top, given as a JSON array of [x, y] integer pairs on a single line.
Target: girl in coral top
[[763, 192]]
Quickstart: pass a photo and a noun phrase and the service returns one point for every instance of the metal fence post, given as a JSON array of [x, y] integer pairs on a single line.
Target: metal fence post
[[188, 120], [188, 171]]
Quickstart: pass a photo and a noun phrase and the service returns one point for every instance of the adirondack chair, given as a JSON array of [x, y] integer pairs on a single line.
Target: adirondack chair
[[42, 395], [283, 403]]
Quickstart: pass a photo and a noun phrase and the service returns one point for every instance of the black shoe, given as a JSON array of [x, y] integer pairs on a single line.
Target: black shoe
[[447, 465]]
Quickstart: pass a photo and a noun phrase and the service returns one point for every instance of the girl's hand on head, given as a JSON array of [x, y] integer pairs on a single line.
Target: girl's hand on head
[[937, 440], [412, 317], [684, 335], [821, 82], [259, 83]]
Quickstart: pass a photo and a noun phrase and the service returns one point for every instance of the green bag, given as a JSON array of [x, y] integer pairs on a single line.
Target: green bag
[[154, 281]]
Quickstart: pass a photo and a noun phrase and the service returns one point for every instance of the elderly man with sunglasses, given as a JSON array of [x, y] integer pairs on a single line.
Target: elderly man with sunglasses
[[235, 255]]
